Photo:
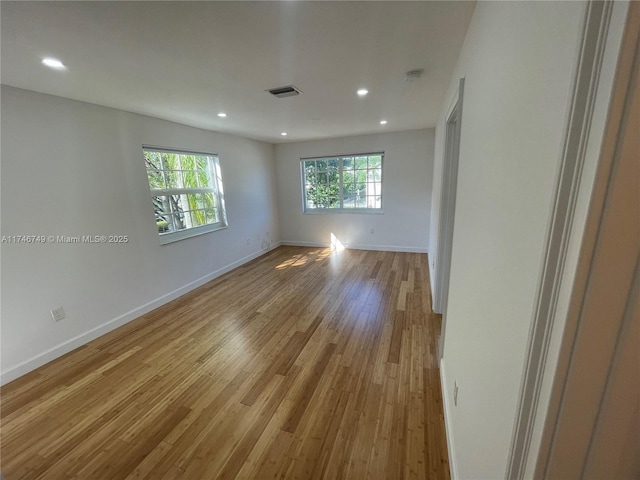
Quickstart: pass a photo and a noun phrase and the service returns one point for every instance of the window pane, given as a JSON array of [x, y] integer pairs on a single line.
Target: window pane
[[361, 162], [372, 189], [210, 215], [349, 195], [155, 179], [361, 175], [187, 162], [189, 179], [183, 202], [162, 211], [191, 201], [172, 201], [374, 202], [349, 189], [166, 225], [375, 161], [309, 200], [322, 183], [204, 179], [347, 163], [163, 225], [348, 177], [152, 160], [208, 200], [311, 191], [198, 218], [173, 224], [170, 161], [180, 222], [202, 164], [317, 199], [172, 179]]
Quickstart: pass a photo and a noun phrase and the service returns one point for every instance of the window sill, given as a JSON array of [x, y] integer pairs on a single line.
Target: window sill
[[167, 238], [369, 211]]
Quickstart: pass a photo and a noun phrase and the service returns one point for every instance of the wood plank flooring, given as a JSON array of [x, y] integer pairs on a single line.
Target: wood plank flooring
[[302, 364]]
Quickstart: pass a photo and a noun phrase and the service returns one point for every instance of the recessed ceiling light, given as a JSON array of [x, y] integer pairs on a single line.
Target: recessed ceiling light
[[383, 122], [222, 115], [362, 92], [284, 134], [53, 63]]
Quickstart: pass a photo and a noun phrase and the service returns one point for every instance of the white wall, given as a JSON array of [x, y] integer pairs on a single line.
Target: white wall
[[407, 168], [71, 168], [518, 62]]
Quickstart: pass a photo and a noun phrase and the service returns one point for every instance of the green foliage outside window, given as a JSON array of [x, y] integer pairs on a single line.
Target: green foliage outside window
[[183, 190], [353, 182]]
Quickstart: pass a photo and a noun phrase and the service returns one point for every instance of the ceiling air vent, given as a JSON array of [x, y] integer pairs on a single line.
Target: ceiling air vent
[[288, 91], [412, 75]]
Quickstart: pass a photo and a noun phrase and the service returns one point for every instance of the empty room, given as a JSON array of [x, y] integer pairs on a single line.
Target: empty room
[[319, 240]]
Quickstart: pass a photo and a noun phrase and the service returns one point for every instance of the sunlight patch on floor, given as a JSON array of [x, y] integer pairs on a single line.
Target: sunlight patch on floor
[[315, 255], [336, 244]]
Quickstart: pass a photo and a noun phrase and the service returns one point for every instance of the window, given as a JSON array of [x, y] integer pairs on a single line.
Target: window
[[186, 190], [343, 183]]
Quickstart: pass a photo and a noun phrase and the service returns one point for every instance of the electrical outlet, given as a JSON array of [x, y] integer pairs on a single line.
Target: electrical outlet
[[372, 231], [455, 394], [58, 314], [248, 240]]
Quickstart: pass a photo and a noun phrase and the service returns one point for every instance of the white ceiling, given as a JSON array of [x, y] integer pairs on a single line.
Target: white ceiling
[[187, 61]]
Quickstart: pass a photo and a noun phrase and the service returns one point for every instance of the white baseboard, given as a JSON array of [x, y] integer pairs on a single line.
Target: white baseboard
[[354, 246], [289, 243], [453, 469], [45, 357]]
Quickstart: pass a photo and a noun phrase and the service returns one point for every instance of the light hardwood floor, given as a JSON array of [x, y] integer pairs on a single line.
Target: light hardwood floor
[[303, 364]]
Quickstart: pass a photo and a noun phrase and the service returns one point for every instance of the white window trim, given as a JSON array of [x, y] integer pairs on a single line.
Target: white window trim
[[342, 211], [171, 237], [218, 191]]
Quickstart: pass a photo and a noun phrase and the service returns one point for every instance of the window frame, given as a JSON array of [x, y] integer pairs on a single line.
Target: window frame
[[216, 189], [341, 209]]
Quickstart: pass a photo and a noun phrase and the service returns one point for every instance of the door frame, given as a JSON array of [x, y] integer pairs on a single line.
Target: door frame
[[564, 268], [447, 208]]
